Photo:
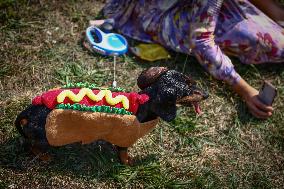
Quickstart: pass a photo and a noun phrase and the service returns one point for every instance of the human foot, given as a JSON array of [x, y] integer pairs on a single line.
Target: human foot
[[106, 25]]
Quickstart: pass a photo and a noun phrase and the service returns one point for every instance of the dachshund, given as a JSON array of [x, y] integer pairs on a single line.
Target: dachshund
[[164, 89]]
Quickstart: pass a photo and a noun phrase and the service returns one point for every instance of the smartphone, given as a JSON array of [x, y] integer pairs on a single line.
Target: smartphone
[[267, 93]]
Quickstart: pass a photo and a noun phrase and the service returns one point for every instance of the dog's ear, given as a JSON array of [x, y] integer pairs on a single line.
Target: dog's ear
[[166, 95], [164, 103], [149, 76], [166, 111]]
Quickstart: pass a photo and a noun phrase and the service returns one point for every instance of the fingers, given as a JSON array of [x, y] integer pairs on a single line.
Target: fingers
[[257, 115], [257, 112], [250, 95], [258, 109], [262, 106]]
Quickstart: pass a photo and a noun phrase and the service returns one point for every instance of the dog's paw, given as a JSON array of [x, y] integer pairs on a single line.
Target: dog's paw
[[125, 158], [43, 156]]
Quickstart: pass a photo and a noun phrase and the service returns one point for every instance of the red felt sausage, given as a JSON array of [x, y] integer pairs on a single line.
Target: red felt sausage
[[49, 99]]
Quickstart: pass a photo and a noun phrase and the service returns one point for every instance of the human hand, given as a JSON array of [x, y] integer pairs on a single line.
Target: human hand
[[251, 97], [256, 107]]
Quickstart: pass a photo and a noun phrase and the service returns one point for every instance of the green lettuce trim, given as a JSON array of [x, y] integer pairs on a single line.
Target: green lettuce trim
[[92, 86], [103, 109]]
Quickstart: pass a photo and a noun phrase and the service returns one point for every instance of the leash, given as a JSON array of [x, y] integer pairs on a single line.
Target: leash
[[114, 83], [108, 44]]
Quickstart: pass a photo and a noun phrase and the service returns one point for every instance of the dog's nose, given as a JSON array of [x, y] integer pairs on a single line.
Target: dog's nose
[[205, 95]]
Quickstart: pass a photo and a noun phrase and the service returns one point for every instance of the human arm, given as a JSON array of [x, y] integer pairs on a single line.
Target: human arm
[[209, 54], [212, 58]]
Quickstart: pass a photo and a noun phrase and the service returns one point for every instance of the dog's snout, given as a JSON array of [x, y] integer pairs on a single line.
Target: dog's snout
[[196, 92], [205, 95]]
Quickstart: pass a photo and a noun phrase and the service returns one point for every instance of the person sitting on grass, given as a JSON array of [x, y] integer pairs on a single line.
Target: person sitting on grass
[[211, 30]]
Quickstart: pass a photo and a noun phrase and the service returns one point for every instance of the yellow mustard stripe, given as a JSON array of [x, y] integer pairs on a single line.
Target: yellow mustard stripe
[[95, 97]]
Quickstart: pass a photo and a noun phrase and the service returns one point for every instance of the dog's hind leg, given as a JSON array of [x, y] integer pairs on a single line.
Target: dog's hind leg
[[124, 156]]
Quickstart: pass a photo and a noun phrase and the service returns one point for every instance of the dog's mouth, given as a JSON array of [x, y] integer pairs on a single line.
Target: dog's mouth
[[190, 101], [197, 108]]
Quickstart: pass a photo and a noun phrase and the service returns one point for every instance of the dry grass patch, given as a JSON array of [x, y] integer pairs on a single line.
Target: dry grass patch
[[223, 148]]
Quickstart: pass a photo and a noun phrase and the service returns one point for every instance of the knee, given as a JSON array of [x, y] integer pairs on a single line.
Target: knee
[[271, 45]]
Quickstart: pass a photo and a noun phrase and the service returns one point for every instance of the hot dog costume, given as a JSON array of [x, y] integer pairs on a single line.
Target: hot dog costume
[[85, 113]]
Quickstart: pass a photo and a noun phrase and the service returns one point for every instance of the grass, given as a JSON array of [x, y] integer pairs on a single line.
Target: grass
[[224, 148]]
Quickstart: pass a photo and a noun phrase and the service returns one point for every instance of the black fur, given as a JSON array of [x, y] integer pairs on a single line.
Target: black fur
[[34, 131], [163, 94]]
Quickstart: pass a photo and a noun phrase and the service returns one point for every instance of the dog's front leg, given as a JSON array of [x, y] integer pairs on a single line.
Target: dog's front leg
[[124, 157], [40, 151]]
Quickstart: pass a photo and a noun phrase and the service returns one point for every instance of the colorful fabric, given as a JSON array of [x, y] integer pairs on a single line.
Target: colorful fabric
[[210, 29], [49, 99]]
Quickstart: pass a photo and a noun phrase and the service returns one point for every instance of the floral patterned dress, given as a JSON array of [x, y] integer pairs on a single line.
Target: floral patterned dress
[[210, 29]]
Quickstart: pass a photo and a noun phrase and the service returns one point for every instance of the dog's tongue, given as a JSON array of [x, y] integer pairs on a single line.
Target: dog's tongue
[[197, 108]]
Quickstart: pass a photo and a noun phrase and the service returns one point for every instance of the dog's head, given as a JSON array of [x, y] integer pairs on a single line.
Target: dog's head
[[167, 88]]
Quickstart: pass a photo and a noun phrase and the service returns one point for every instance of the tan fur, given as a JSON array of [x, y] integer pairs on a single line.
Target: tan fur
[[187, 100], [24, 122], [69, 126]]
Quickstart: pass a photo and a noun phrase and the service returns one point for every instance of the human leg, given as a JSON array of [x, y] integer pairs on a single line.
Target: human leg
[[270, 8], [255, 39]]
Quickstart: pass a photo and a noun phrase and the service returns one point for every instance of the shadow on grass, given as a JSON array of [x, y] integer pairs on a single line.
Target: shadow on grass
[[97, 161], [94, 163]]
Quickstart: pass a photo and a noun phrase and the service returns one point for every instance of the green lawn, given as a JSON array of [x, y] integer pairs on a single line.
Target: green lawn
[[225, 147]]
